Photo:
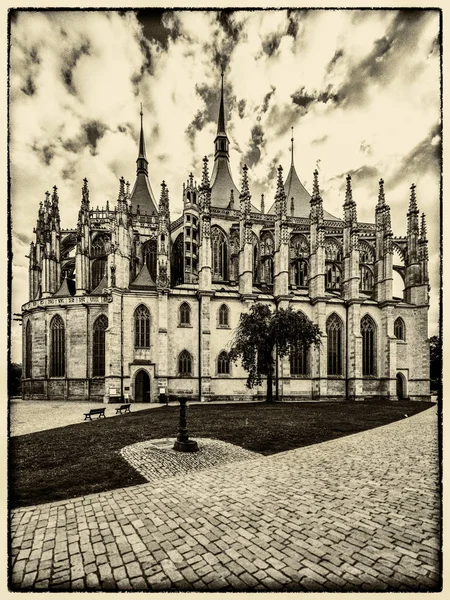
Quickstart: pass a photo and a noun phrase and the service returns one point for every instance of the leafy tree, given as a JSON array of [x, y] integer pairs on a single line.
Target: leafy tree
[[14, 379], [435, 362], [261, 331]]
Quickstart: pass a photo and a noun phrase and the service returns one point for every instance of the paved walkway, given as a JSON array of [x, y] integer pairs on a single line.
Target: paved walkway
[[359, 514], [28, 416]]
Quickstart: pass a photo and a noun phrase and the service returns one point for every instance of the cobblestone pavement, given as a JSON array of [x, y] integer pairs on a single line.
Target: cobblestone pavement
[[157, 460], [360, 513]]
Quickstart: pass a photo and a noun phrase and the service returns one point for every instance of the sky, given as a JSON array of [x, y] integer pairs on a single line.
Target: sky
[[360, 88]]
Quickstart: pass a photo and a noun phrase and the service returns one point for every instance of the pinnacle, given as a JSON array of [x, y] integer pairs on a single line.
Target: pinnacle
[[381, 196], [316, 190], [205, 174]]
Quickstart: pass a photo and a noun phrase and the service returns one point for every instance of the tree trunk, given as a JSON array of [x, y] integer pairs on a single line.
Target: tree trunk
[[269, 396]]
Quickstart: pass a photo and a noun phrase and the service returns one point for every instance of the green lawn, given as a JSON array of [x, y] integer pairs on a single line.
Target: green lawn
[[84, 458]]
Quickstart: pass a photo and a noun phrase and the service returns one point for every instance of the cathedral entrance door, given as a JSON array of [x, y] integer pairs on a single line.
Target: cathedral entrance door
[[400, 387], [142, 387]]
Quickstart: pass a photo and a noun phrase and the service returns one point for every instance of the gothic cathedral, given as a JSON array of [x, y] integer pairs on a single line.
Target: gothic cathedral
[[130, 302]]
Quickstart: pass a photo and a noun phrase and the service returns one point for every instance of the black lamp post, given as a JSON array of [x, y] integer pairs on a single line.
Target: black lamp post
[[183, 443]]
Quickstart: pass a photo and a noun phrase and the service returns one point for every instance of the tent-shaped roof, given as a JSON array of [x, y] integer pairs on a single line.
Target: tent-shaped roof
[[67, 288], [293, 188], [101, 286], [144, 280]]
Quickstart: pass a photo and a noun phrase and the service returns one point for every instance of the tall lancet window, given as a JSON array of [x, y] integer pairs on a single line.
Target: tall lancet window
[[299, 360], [28, 350], [333, 257], [219, 255], [368, 332], [98, 271], [98, 346], [177, 266], [57, 347], [298, 258], [149, 254], [334, 345], [142, 327]]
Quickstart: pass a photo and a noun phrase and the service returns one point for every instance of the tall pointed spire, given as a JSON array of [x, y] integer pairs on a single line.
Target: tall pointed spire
[[221, 121], [221, 179], [142, 162], [142, 194], [292, 147]]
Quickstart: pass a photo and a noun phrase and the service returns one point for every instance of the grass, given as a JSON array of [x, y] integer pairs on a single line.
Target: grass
[[84, 458]]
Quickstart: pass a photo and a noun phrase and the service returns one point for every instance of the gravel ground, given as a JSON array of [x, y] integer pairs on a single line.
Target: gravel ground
[[156, 459]]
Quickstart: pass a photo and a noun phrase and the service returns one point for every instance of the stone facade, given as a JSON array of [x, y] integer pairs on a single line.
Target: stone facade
[[144, 303]]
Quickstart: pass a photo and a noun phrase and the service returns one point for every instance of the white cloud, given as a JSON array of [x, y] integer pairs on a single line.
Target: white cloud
[[391, 108]]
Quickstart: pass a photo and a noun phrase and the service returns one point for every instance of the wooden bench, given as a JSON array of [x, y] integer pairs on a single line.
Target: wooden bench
[[123, 407], [95, 411]]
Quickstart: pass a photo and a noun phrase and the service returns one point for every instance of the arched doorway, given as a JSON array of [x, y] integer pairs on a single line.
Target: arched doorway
[[401, 387], [142, 387]]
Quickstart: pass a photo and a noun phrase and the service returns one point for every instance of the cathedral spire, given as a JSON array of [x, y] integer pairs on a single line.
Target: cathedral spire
[[292, 147], [142, 162], [142, 194], [221, 121]]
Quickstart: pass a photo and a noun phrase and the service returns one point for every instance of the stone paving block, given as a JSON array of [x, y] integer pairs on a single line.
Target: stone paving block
[[323, 523]]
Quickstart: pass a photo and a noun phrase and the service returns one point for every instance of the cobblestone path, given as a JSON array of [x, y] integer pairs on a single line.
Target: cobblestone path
[[361, 513]]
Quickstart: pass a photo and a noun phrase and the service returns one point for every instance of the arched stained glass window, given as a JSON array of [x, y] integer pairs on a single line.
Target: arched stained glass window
[[299, 360], [149, 255], [28, 350], [177, 266], [333, 277], [334, 345], [365, 278], [223, 316], [219, 247], [300, 273], [101, 246], [267, 271], [142, 327], [98, 271], [98, 346], [57, 347], [185, 363], [223, 364], [368, 332], [399, 328], [185, 314]]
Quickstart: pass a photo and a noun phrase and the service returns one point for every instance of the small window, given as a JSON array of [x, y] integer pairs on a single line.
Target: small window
[[188, 231], [399, 329], [188, 218], [185, 314], [224, 316], [185, 363], [194, 220], [223, 364]]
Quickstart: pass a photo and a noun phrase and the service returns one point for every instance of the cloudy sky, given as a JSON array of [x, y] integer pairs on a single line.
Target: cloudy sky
[[360, 88]]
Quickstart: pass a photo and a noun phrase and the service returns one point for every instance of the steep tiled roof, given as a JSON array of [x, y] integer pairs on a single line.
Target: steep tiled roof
[[99, 289], [143, 280], [293, 188], [142, 195]]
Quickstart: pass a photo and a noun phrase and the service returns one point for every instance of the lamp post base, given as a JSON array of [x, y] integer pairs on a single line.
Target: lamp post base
[[187, 446]]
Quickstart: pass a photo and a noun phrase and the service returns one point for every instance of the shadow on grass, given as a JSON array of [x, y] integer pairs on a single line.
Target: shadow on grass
[[84, 458]]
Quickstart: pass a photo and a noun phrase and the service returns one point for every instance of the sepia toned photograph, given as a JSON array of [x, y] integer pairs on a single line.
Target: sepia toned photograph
[[225, 290]]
